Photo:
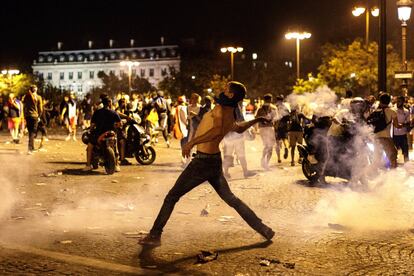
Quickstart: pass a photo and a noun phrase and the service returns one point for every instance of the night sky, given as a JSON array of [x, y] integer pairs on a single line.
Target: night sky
[[257, 25]]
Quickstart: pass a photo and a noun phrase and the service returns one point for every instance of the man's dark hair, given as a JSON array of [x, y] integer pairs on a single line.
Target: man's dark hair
[[238, 89], [279, 98], [401, 98], [106, 101], [348, 94], [385, 98], [32, 87], [268, 98]]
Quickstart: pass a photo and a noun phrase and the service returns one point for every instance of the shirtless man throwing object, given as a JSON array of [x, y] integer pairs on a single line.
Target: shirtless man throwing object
[[207, 165]]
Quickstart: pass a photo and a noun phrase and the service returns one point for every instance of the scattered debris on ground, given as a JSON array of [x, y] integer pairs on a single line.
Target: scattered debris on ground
[[65, 242], [268, 262], [206, 256], [336, 226], [205, 211]]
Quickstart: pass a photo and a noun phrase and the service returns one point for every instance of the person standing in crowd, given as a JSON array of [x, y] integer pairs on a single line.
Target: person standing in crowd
[[33, 108], [266, 130], [69, 116], [2, 113], [207, 165], [87, 110], [14, 114], [400, 134], [233, 144], [41, 126], [208, 105], [180, 130], [383, 137], [163, 109], [281, 128], [193, 110], [295, 132]]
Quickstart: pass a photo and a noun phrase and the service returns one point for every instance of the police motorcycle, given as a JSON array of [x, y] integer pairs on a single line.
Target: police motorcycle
[[325, 155]]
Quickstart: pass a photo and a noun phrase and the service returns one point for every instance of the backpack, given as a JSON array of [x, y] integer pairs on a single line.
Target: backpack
[[378, 120]]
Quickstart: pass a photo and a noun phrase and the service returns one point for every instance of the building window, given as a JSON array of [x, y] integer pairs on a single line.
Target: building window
[[142, 73], [70, 87], [79, 87], [71, 75], [151, 72], [163, 72], [62, 76], [41, 76], [79, 75], [91, 74], [111, 72], [49, 76], [62, 87]]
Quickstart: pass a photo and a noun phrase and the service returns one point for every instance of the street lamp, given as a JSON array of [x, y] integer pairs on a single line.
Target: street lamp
[[404, 13], [232, 51], [357, 11], [298, 36], [130, 64]]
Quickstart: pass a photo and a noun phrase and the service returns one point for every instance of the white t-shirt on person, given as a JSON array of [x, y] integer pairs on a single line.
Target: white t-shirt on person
[[390, 116]]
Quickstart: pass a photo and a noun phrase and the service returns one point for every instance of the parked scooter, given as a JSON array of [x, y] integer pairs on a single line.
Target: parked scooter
[[104, 153]]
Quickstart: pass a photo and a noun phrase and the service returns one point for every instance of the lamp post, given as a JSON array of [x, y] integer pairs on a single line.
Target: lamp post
[[232, 51], [357, 11], [404, 13], [298, 36], [129, 64]]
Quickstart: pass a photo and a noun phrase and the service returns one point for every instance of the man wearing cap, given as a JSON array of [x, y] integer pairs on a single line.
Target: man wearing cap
[[207, 165]]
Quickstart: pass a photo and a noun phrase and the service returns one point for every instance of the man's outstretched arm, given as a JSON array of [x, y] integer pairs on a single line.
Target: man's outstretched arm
[[241, 127]]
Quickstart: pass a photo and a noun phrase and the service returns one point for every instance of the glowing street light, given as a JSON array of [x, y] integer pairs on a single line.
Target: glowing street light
[[232, 51], [357, 11], [404, 14], [129, 64], [298, 36], [10, 72]]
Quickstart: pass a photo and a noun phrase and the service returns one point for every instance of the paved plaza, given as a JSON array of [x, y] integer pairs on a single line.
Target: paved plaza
[[56, 219]]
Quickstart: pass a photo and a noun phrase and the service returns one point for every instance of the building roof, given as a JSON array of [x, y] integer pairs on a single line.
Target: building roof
[[109, 54]]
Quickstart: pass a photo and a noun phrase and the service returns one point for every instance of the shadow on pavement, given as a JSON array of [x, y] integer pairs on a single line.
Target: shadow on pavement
[[146, 258], [67, 162], [323, 185], [81, 172]]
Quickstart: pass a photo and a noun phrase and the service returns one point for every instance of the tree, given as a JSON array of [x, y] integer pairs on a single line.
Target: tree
[[355, 67], [310, 85], [17, 84]]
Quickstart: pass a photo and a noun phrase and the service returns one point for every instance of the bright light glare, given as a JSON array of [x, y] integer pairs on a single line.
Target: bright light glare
[[404, 13], [254, 56], [10, 72], [4, 72], [231, 49], [375, 11], [296, 35], [357, 11], [129, 63]]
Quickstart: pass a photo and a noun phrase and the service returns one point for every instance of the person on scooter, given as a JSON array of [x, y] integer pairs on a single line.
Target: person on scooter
[[104, 119]]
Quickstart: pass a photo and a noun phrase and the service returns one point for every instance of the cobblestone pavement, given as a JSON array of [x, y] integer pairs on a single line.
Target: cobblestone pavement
[[55, 220]]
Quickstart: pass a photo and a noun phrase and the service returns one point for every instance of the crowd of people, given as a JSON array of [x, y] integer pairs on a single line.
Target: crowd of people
[[165, 117]]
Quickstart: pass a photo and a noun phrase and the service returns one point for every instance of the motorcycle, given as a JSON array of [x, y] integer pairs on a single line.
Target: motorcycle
[[331, 156], [138, 143], [104, 153]]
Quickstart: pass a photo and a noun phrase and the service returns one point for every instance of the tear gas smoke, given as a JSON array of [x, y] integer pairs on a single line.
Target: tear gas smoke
[[376, 199]]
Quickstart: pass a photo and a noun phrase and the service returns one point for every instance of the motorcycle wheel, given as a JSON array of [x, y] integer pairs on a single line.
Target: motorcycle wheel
[[145, 155], [110, 160], [309, 171]]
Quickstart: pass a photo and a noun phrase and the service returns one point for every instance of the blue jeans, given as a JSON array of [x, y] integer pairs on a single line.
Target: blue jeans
[[204, 167]]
